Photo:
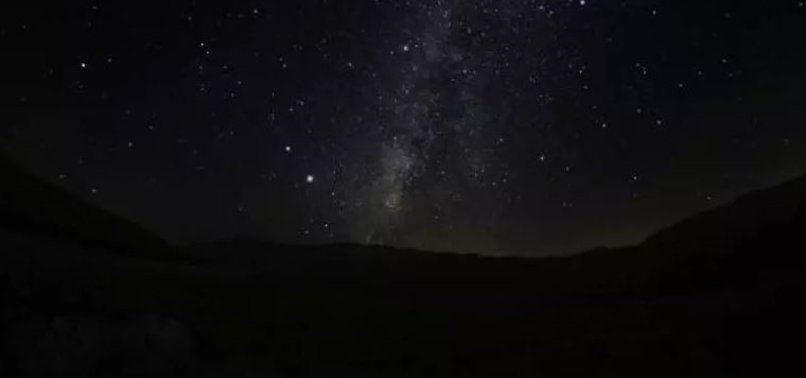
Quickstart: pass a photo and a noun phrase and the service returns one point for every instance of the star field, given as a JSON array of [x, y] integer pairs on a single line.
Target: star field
[[500, 127]]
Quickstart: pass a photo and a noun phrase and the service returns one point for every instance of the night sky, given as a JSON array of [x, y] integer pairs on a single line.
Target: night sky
[[495, 126]]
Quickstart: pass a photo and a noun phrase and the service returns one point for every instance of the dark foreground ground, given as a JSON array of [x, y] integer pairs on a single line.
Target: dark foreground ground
[[716, 296]]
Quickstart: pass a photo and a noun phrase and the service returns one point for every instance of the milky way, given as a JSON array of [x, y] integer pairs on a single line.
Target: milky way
[[410, 125], [439, 141]]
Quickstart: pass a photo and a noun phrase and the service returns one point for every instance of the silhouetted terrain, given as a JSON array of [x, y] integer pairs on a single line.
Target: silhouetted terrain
[[34, 207], [86, 294]]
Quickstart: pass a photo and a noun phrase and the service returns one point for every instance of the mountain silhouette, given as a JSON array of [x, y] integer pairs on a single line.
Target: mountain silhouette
[[716, 295], [32, 206], [744, 218]]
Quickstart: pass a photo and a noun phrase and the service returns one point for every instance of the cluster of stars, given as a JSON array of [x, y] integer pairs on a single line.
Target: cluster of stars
[[505, 122]]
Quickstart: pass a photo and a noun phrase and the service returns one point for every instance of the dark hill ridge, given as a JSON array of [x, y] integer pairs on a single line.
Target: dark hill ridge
[[33, 206], [714, 296], [721, 235], [741, 218], [759, 234]]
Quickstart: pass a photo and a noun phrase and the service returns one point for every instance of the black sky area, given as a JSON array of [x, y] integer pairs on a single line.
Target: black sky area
[[492, 126]]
